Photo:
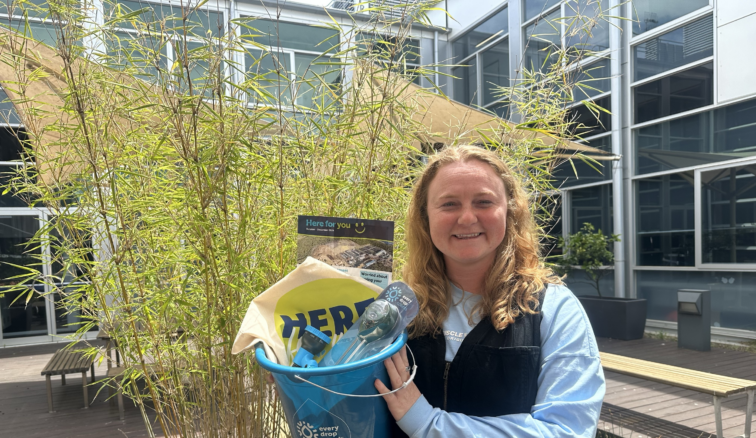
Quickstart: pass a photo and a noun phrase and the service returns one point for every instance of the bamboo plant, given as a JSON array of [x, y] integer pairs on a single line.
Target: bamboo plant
[[173, 188]]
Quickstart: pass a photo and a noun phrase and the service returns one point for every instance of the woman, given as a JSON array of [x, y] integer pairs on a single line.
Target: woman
[[502, 347]]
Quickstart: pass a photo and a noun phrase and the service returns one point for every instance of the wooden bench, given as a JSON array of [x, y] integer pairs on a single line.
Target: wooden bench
[[66, 362], [717, 386]]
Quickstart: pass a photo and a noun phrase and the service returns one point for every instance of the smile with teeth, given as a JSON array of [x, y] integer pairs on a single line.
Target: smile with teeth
[[467, 236]]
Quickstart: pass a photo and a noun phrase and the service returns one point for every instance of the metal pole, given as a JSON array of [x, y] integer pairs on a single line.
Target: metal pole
[[84, 385], [718, 416], [49, 395]]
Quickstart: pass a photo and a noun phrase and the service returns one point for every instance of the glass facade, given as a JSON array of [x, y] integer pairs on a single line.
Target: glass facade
[[592, 80], [665, 221], [40, 31], [592, 205], [486, 47], [576, 171], [466, 82], [495, 70], [676, 48], [199, 22], [725, 133], [588, 121], [650, 14], [541, 39], [728, 215], [295, 68], [582, 285], [533, 8], [287, 35], [576, 13], [677, 93], [733, 298], [482, 35]]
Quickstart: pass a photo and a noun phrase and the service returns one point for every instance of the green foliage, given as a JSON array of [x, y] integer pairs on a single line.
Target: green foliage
[[588, 249], [174, 188]]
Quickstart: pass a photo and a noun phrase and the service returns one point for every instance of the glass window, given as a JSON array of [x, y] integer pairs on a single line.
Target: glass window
[[43, 32], [68, 318], [8, 112], [495, 65], [318, 84], [272, 71], [586, 123], [486, 32], [142, 53], [465, 83], [551, 216], [728, 219], [592, 205], [22, 318], [582, 285], [11, 144], [683, 91], [689, 141], [664, 222], [15, 234], [531, 8], [32, 8], [578, 172], [733, 297], [578, 14], [11, 199], [199, 58], [199, 22], [649, 14], [674, 49], [542, 38], [285, 35], [592, 80]]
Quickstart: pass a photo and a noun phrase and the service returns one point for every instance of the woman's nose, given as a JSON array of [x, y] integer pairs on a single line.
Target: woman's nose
[[467, 216]]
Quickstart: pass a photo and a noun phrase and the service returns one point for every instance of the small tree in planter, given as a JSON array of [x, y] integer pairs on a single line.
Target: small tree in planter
[[610, 317], [588, 249]]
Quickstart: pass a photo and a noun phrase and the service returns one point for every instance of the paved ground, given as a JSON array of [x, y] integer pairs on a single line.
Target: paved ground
[[638, 408], [23, 401], [632, 407]]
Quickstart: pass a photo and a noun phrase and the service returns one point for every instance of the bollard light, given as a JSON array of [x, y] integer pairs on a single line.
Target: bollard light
[[689, 302], [694, 319]]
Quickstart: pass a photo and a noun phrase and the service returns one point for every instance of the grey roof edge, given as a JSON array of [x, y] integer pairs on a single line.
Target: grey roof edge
[[301, 7]]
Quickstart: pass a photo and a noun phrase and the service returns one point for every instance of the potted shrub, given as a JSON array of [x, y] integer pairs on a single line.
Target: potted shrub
[[611, 317]]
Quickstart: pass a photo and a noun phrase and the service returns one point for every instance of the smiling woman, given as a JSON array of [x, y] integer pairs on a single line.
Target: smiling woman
[[517, 356]]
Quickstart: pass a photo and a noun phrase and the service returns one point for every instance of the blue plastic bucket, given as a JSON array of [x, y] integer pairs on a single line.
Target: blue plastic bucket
[[314, 412]]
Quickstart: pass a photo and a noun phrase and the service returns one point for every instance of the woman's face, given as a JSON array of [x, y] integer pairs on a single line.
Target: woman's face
[[467, 213]]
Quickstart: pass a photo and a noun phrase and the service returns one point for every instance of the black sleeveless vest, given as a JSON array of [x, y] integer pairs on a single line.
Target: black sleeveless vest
[[493, 373]]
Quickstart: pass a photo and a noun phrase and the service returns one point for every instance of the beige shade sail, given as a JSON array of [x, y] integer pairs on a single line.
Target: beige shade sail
[[447, 120]]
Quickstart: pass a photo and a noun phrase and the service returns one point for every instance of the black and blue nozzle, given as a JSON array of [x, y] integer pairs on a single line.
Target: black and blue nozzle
[[313, 343]]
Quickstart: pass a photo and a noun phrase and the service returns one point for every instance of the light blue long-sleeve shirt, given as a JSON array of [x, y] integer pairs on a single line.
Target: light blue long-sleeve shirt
[[570, 385]]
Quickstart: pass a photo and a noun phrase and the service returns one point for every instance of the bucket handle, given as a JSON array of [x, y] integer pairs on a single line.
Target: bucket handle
[[404, 385]]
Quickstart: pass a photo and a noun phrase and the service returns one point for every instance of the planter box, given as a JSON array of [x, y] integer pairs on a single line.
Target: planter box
[[616, 318]]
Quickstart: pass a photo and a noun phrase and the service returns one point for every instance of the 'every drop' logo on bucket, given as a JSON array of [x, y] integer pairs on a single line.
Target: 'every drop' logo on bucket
[[319, 423]]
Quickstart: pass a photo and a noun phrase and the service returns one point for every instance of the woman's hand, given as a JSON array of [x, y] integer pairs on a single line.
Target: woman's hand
[[398, 370]]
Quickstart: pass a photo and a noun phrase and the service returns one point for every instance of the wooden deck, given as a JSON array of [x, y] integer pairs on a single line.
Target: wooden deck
[[639, 408], [23, 401], [632, 407]]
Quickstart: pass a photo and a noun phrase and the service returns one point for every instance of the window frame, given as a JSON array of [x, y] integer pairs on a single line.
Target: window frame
[[698, 218], [490, 42]]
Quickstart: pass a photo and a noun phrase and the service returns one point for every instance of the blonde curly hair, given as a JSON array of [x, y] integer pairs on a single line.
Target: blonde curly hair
[[517, 275]]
